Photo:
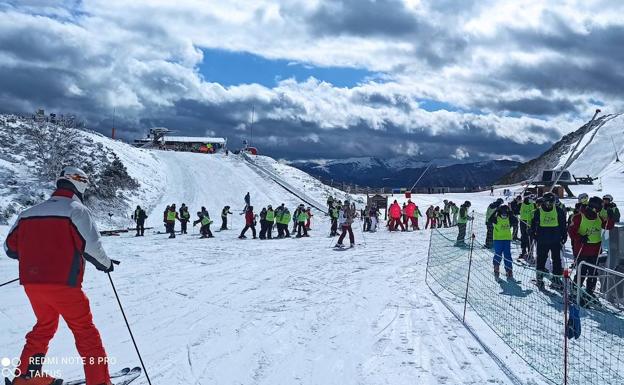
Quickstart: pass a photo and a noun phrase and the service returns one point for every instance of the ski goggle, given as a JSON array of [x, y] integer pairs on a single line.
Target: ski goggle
[[78, 178]]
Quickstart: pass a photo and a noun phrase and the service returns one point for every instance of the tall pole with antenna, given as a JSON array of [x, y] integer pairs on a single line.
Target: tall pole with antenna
[[113, 133], [253, 110]]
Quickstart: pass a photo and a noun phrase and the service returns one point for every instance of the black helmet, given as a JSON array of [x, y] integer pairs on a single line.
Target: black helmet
[[595, 203], [500, 201], [503, 210], [549, 198], [467, 203]]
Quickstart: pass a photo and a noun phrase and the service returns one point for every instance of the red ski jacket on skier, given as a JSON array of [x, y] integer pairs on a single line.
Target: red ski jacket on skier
[[410, 209], [249, 217], [53, 239], [395, 211], [583, 249]]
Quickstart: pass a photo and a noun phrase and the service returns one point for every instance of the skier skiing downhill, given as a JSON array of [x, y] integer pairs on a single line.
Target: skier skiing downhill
[[51, 241]]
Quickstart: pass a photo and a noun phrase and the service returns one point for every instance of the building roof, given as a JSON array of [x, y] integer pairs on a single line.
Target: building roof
[[193, 139]]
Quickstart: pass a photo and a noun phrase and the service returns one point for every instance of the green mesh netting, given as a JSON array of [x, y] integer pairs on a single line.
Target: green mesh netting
[[529, 320]]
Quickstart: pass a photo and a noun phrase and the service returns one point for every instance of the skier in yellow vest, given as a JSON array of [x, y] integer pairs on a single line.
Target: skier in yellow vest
[[170, 216], [502, 222], [527, 209], [270, 221], [586, 234], [549, 230]]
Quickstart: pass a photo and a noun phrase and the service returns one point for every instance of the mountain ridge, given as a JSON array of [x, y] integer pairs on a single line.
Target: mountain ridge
[[404, 171]]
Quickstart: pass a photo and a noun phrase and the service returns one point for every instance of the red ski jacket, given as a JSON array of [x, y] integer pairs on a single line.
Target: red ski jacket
[[53, 239], [582, 249], [249, 217], [395, 211], [410, 209]]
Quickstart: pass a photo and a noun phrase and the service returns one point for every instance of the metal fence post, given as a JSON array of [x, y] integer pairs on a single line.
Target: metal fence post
[[472, 238]]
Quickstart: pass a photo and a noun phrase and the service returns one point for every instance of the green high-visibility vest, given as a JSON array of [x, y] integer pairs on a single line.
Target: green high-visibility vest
[[603, 214], [270, 216], [592, 228], [185, 215], [502, 229], [285, 219], [488, 213], [171, 215], [549, 218], [334, 213], [303, 216], [463, 217], [205, 220], [526, 212]]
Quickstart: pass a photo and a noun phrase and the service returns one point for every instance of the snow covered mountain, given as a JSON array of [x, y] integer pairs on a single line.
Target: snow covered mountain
[[600, 140], [404, 171]]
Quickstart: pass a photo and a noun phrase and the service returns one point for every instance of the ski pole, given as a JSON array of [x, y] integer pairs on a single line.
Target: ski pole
[[128, 325], [8, 282]]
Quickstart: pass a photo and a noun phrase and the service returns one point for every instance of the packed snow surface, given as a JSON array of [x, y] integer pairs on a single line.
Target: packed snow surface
[[294, 311]]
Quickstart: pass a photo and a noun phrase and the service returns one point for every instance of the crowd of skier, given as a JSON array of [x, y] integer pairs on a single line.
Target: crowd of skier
[[543, 225]]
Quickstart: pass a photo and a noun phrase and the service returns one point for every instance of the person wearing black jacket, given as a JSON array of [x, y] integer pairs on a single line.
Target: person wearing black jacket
[[549, 230], [139, 217], [185, 218], [224, 214], [263, 223]]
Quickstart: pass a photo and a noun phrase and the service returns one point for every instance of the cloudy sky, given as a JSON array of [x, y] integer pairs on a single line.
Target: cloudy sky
[[467, 80]]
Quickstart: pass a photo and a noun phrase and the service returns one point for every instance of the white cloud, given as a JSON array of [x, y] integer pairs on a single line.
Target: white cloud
[[460, 154], [142, 56]]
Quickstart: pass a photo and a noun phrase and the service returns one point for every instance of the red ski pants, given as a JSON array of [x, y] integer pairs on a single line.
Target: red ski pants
[[51, 301]]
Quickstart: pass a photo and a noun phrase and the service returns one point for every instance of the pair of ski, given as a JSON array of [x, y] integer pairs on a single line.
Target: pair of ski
[[123, 377]]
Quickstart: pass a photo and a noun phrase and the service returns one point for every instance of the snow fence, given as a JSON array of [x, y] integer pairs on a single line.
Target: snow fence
[[529, 320]]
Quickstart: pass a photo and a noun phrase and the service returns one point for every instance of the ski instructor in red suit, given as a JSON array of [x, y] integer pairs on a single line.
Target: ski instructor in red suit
[[51, 241]]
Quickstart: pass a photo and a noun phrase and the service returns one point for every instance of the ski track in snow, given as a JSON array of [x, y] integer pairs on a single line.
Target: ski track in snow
[[225, 311]]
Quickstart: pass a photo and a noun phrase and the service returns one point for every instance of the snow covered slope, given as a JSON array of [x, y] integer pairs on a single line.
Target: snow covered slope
[[293, 311]]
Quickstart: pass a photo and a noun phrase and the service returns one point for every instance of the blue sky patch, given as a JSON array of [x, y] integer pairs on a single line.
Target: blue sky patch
[[233, 68]]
